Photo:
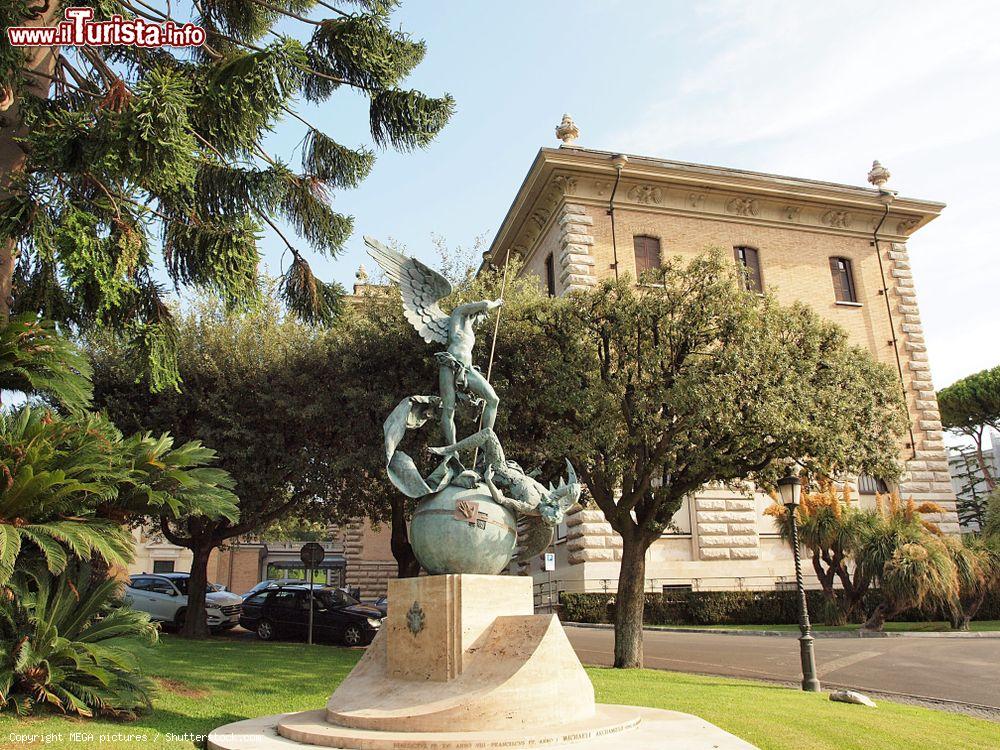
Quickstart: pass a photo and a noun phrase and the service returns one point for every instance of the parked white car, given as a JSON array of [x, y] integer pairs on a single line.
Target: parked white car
[[165, 595]]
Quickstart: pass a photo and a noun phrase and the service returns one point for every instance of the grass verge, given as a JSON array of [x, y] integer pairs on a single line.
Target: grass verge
[[209, 683]]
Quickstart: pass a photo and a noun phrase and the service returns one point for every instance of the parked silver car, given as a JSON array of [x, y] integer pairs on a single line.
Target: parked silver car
[[165, 596]]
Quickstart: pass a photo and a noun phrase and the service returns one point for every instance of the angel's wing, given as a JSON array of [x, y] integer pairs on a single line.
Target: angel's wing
[[535, 535], [421, 288]]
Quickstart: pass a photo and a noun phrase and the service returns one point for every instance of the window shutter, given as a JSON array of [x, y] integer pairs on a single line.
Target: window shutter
[[838, 286], [550, 275], [647, 253], [750, 260]]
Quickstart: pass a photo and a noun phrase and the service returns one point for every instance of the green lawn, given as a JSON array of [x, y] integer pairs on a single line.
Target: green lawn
[[205, 684], [975, 626]]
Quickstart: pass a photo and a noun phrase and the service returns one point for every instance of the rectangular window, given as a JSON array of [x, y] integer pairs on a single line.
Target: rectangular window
[[550, 275], [647, 253], [843, 280], [163, 566], [868, 485], [750, 260]]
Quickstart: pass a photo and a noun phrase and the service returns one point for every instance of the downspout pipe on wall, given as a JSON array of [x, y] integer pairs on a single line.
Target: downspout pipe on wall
[[887, 196], [619, 160]]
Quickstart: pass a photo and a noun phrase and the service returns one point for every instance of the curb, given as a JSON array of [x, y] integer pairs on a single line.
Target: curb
[[787, 633]]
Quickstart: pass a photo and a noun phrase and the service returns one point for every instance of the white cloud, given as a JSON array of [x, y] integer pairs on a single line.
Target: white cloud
[[819, 90]]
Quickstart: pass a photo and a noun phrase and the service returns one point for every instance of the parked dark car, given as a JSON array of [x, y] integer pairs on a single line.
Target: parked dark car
[[284, 612], [382, 604], [273, 583]]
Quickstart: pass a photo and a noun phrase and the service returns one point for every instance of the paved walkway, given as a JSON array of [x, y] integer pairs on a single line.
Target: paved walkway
[[966, 670]]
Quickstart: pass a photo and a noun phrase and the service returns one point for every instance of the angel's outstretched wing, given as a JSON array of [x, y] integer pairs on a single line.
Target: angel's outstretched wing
[[421, 288], [533, 537]]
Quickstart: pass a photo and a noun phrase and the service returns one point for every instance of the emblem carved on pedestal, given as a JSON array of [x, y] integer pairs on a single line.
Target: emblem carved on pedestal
[[415, 618]]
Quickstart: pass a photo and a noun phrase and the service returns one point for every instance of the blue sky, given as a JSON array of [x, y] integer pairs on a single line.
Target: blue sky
[[805, 89]]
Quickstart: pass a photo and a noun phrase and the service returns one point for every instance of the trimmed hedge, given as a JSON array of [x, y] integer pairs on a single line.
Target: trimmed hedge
[[733, 608]]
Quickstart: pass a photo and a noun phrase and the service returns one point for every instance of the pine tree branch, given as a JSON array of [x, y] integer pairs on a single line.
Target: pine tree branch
[[256, 209], [56, 79], [109, 76], [338, 11], [161, 16], [249, 45], [81, 80], [300, 118], [286, 13]]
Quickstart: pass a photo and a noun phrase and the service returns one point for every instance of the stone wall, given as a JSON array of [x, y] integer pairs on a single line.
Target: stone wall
[[369, 574], [927, 476], [726, 526]]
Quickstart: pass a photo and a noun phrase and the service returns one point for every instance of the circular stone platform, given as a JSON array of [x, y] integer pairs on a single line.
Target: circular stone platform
[[634, 727]]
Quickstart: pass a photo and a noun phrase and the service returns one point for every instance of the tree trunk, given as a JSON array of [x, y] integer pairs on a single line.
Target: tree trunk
[[991, 483], [195, 619], [629, 604], [12, 158], [399, 542], [833, 613], [877, 621], [962, 614]]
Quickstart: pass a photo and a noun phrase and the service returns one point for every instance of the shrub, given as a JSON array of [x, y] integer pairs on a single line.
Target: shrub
[[60, 644], [743, 608]]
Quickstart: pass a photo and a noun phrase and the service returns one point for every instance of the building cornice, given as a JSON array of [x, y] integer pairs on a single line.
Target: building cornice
[[586, 177]]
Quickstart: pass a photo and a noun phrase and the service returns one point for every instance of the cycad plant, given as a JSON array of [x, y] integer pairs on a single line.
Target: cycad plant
[[63, 644], [69, 481]]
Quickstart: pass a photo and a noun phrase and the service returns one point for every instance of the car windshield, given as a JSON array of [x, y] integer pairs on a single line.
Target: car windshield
[[337, 598], [181, 584]]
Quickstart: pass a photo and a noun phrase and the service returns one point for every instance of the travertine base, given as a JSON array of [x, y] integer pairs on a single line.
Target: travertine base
[[657, 730], [463, 664], [479, 660]]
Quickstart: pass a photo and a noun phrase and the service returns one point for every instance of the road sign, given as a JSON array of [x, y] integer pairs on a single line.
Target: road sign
[[550, 561], [312, 554]]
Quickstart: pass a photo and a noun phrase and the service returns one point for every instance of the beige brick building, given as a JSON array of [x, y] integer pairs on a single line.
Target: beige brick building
[[581, 214], [357, 556]]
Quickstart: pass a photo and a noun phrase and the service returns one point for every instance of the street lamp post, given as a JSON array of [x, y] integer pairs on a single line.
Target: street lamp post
[[791, 489]]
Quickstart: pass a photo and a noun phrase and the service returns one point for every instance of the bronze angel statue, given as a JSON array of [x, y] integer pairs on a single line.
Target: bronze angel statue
[[495, 480], [422, 288]]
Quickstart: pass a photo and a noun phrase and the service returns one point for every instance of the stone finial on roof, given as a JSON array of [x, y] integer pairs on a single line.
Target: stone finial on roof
[[362, 274], [567, 131], [878, 175]]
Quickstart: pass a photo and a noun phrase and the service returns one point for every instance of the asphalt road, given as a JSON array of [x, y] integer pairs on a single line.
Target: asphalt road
[[966, 670]]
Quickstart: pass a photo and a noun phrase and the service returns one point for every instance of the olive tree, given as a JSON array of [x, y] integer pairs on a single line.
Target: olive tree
[[660, 389]]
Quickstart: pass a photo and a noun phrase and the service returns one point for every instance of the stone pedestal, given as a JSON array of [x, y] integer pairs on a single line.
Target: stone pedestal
[[435, 622], [462, 662]]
